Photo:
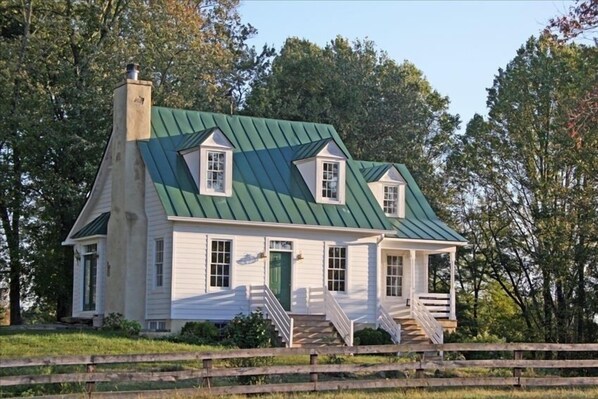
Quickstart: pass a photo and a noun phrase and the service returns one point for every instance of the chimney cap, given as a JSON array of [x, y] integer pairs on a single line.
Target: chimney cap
[[133, 71]]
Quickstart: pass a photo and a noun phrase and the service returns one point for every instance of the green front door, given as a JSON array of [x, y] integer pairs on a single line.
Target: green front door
[[280, 277]]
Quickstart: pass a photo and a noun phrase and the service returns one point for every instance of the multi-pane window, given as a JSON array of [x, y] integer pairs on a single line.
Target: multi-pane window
[[159, 262], [337, 268], [220, 261], [90, 271], [394, 275], [330, 175], [391, 199], [215, 171], [281, 245]]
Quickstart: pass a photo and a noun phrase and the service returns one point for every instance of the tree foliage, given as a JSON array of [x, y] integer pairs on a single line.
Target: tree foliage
[[59, 61], [532, 189], [383, 111]]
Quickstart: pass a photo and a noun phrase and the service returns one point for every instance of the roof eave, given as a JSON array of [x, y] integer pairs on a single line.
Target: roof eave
[[188, 219]]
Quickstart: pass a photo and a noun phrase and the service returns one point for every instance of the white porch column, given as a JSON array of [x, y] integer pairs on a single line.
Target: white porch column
[[379, 277], [453, 314], [412, 285]]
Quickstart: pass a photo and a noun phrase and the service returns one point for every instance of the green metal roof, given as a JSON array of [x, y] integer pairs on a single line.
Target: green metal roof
[[375, 173], [420, 221], [267, 187], [98, 226]]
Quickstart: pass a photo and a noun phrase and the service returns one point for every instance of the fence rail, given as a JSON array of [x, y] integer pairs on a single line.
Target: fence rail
[[319, 374]]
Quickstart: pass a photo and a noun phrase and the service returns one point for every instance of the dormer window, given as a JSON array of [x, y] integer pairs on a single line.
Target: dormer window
[[215, 171], [330, 176], [391, 200], [322, 165], [388, 187], [209, 157]]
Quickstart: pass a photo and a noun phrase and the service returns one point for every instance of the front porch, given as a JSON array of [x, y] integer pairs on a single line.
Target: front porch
[[403, 279], [395, 296]]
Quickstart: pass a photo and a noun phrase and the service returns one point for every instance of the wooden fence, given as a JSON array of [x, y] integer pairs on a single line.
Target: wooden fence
[[208, 372]]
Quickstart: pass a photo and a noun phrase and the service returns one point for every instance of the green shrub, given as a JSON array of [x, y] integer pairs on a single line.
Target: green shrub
[[250, 331], [199, 333], [117, 323], [369, 336]]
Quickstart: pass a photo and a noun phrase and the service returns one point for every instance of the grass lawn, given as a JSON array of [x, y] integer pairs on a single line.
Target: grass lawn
[[84, 342], [449, 393]]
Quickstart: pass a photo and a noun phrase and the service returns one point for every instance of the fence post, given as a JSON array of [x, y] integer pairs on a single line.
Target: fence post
[[517, 355], [419, 372], [207, 365], [90, 386], [313, 360]]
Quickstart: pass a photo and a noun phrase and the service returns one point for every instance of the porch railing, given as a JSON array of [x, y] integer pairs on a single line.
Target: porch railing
[[337, 316], [388, 324], [437, 304], [427, 321], [263, 297]]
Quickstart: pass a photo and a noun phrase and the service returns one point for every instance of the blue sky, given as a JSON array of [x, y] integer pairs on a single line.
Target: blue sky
[[459, 45]]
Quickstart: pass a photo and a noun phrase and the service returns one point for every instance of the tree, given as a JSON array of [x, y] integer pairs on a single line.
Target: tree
[[535, 187], [60, 61], [383, 111], [581, 19]]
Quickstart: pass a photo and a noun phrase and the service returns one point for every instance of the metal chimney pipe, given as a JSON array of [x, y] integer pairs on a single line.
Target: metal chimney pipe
[[133, 71]]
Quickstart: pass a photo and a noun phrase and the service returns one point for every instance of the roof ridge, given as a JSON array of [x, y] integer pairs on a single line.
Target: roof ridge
[[231, 116]]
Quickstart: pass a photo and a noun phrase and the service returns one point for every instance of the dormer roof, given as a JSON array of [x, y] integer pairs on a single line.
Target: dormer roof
[[386, 172], [212, 136], [324, 147]]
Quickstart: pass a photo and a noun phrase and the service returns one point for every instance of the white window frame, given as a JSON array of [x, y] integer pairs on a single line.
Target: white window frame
[[209, 285], [340, 200], [396, 200], [227, 173], [86, 252], [158, 271], [400, 277], [346, 269], [219, 172]]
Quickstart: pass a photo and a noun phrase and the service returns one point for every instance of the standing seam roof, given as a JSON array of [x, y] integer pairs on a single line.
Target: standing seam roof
[[267, 187]]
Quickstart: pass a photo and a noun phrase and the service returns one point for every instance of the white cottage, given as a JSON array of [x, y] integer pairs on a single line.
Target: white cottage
[[202, 216]]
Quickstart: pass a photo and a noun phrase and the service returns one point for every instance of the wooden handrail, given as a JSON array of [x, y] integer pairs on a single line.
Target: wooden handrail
[[336, 314], [388, 324], [274, 311], [427, 322]]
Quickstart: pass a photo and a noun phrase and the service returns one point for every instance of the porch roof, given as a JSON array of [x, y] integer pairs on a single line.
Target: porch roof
[[98, 226]]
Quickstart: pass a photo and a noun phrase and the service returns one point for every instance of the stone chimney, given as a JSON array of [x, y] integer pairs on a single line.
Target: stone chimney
[[127, 228]]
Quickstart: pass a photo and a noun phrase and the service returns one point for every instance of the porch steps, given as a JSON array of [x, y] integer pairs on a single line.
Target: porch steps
[[412, 333], [313, 331]]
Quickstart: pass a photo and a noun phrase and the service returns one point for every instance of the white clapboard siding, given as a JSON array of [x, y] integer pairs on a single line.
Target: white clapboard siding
[[359, 300], [98, 204], [421, 273], [157, 305], [193, 299]]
